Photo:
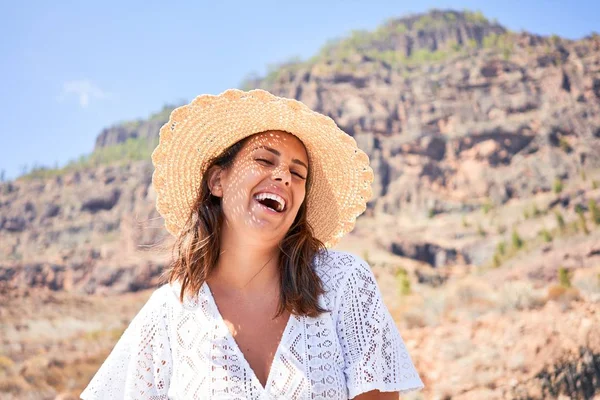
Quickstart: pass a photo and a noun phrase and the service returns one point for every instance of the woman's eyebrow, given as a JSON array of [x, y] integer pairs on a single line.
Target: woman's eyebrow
[[277, 153]]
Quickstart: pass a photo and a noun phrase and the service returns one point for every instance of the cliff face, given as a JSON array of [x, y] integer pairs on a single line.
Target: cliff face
[[82, 230], [139, 129], [472, 127], [454, 111], [451, 108]]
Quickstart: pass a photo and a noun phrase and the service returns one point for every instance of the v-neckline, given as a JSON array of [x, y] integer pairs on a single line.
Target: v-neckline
[[237, 348]]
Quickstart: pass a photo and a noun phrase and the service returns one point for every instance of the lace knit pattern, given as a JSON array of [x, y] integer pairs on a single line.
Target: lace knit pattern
[[185, 351]]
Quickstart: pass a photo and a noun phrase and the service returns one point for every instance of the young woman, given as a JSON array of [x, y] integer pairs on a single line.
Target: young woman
[[256, 188]]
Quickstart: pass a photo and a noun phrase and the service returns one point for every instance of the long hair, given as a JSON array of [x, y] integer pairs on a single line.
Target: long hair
[[197, 248]]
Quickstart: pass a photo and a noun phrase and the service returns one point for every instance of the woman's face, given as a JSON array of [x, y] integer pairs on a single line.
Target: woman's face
[[265, 186]]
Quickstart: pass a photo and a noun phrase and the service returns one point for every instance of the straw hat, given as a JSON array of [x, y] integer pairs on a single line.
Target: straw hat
[[197, 132]]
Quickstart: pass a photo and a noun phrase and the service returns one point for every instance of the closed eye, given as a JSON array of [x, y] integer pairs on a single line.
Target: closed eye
[[264, 161], [298, 175]]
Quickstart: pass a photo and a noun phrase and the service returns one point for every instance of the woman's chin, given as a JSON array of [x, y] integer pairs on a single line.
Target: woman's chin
[[266, 222], [261, 223]]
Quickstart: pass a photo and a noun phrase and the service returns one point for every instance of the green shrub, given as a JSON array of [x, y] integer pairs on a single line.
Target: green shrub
[[517, 241], [480, 231], [560, 221], [546, 235], [564, 277], [422, 56], [465, 223], [400, 29], [133, 149], [360, 42], [365, 256], [454, 45], [503, 43], [490, 41], [582, 222], [558, 185], [475, 17], [564, 145], [487, 206], [501, 248], [450, 17], [595, 184], [162, 115], [403, 282], [574, 226], [424, 23], [390, 57], [594, 211], [497, 261]]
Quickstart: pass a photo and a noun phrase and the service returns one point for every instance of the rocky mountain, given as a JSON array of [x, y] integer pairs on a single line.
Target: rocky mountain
[[483, 230], [454, 103], [479, 124], [456, 113], [138, 129]]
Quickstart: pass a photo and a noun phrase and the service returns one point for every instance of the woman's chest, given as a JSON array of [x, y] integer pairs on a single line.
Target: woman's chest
[[208, 362], [257, 335]]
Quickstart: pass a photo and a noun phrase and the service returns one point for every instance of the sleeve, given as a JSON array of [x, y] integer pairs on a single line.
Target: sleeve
[[375, 355], [140, 365]]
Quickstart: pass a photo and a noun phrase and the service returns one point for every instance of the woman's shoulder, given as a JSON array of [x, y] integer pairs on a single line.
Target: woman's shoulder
[[338, 261], [158, 305], [334, 267], [165, 300], [169, 296]]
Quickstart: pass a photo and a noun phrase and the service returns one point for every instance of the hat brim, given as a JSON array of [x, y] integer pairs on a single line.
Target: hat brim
[[200, 131]]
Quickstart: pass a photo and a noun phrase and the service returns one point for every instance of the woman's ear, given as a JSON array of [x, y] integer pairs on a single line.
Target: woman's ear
[[214, 181]]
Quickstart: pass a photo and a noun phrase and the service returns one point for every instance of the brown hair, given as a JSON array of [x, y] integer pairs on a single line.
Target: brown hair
[[198, 247]]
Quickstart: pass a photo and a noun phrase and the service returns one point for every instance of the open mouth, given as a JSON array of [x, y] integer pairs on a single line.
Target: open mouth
[[271, 201]]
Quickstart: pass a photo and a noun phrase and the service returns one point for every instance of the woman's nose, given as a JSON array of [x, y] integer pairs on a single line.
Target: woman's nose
[[282, 174]]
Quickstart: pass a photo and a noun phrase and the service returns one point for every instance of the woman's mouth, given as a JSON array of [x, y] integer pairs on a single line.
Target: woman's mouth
[[271, 201]]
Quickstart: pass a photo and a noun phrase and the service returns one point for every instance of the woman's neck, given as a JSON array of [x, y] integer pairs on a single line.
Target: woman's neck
[[246, 265]]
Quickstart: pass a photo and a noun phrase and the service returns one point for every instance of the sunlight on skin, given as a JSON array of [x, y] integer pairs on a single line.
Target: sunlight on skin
[[270, 162], [258, 169]]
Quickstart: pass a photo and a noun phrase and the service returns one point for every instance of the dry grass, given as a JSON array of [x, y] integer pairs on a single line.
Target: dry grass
[[588, 281], [99, 335], [14, 385], [467, 299], [562, 294], [50, 376], [57, 341], [5, 364]]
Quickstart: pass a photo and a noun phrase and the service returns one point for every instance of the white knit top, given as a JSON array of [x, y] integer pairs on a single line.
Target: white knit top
[[185, 351]]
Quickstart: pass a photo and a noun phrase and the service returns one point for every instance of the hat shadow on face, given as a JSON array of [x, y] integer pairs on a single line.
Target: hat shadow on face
[[274, 162]]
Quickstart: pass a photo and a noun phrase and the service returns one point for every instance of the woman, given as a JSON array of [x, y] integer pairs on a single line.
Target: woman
[[255, 188]]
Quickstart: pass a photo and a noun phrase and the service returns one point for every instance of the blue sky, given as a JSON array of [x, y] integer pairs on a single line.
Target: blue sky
[[68, 69]]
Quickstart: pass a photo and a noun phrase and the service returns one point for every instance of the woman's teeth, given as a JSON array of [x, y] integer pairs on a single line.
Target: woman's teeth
[[271, 200]]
